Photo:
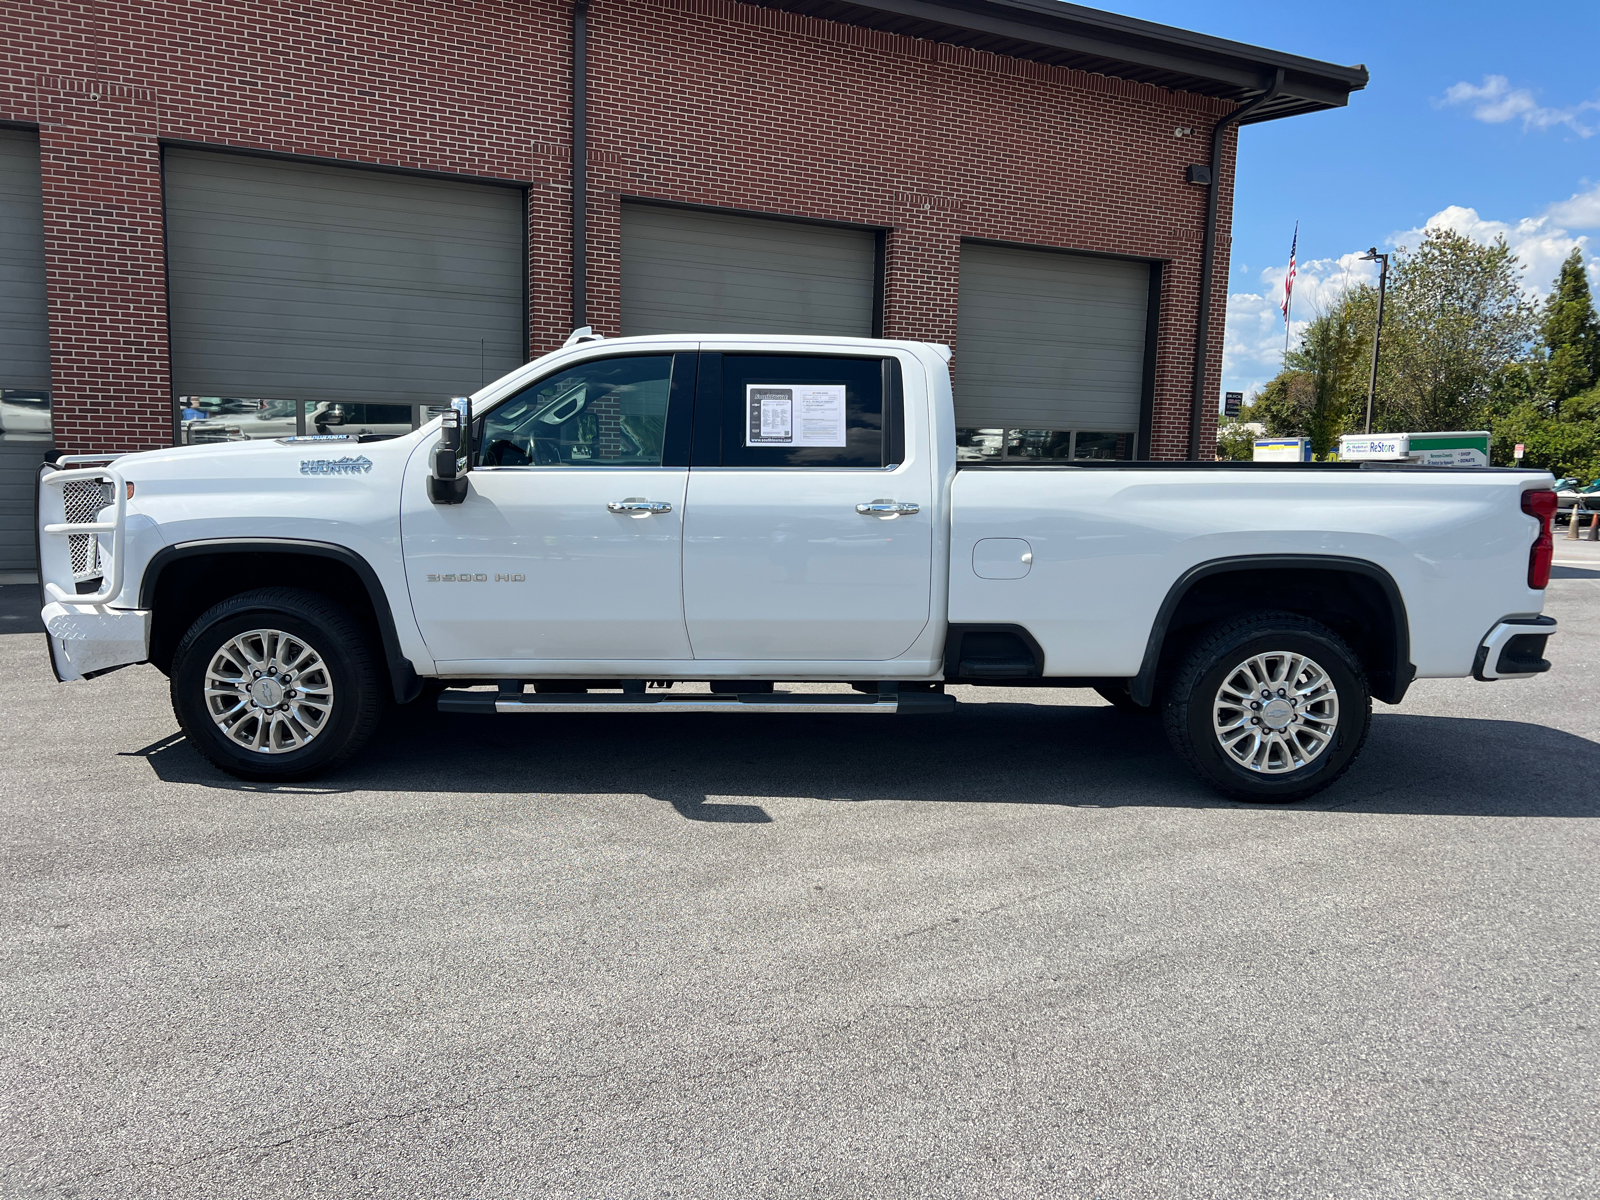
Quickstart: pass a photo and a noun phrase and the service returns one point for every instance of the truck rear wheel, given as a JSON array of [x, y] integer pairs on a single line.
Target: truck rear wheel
[[1269, 707], [276, 684]]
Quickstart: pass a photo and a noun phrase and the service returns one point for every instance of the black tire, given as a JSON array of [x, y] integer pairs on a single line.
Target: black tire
[[1326, 741], [1116, 695], [339, 662]]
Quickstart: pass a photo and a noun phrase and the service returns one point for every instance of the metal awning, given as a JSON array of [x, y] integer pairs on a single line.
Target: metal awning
[[1069, 35]]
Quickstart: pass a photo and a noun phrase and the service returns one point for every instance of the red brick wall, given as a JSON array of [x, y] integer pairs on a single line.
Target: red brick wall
[[701, 101], [106, 279]]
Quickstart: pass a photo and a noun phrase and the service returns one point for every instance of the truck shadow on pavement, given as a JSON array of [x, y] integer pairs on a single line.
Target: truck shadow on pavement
[[719, 768]]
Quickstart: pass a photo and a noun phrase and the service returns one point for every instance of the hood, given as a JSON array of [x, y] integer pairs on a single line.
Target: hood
[[269, 458]]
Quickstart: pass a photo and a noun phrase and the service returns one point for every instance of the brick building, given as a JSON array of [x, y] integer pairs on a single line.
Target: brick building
[[223, 220]]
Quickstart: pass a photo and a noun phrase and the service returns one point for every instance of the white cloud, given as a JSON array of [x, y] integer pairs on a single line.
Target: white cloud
[[1580, 211], [1253, 350], [1495, 102]]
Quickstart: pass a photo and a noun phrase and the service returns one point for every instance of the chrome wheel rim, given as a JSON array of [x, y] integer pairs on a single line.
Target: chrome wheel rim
[[1275, 712], [269, 692]]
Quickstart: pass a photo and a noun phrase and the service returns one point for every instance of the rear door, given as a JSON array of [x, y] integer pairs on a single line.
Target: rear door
[[793, 550]]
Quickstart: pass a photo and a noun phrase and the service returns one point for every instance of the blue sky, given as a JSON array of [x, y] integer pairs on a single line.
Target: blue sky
[[1482, 117]]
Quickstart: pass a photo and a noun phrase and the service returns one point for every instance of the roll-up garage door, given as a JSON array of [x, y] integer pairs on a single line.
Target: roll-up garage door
[[690, 271], [335, 284], [1050, 352], [24, 346]]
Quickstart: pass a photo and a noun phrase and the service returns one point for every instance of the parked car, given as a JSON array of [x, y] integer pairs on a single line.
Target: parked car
[[753, 510], [1574, 496]]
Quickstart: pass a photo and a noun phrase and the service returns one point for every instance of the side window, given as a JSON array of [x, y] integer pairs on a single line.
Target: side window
[[610, 412], [808, 410]]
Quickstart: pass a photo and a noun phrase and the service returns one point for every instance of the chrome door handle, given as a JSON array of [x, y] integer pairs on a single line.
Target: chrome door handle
[[639, 506], [888, 508]]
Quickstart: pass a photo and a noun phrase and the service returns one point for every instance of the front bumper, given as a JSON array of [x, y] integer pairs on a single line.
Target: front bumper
[[1514, 649], [90, 639]]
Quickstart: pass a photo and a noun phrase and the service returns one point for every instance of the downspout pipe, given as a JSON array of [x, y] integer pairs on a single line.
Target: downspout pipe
[[1208, 250], [580, 163]]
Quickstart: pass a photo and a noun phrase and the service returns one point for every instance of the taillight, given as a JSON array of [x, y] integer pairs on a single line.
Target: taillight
[[1541, 505]]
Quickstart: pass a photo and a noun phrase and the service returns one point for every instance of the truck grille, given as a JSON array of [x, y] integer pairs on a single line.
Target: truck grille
[[82, 501]]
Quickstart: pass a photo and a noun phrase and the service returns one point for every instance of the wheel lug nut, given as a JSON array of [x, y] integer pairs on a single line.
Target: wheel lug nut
[[1255, 705], [257, 674], [1255, 720], [1281, 692], [290, 693]]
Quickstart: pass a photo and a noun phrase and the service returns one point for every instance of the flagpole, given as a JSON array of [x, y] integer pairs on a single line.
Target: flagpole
[[1288, 289]]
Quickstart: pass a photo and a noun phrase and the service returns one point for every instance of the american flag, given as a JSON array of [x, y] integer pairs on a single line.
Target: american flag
[[1288, 280]]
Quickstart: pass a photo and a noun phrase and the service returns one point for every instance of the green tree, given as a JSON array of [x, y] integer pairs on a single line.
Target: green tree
[[1458, 333], [1283, 406], [1456, 316], [1567, 443], [1513, 384], [1551, 403], [1317, 393], [1571, 335], [1235, 442], [1328, 362]]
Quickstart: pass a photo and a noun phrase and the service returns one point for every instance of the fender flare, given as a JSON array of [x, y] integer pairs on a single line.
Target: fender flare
[[1142, 687], [403, 677]]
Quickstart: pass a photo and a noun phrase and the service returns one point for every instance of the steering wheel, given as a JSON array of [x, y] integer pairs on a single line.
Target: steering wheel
[[504, 453]]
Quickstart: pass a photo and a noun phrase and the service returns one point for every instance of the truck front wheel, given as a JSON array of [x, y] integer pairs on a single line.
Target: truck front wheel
[[276, 684], [1269, 707]]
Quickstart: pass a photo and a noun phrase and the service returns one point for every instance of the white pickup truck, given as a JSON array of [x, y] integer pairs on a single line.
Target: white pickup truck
[[744, 511]]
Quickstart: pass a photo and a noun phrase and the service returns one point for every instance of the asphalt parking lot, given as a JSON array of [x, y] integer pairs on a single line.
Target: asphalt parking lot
[[1017, 951]]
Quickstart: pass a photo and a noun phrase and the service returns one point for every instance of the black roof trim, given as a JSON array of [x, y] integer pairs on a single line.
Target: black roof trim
[[1087, 39]]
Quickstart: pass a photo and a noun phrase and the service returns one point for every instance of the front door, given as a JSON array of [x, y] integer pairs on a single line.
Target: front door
[[808, 537], [569, 543]]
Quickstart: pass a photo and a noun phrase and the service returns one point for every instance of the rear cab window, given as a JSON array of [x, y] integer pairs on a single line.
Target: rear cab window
[[798, 410]]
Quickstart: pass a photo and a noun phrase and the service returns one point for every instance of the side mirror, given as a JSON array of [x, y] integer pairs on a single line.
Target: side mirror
[[452, 457]]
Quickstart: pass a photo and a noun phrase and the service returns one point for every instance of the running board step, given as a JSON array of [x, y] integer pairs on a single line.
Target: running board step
[[901, 704]]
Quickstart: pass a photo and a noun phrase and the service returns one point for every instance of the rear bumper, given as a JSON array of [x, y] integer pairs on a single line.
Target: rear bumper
[[1514, 649], [91, 639]]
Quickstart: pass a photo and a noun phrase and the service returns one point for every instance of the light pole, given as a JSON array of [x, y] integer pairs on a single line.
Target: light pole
[[1372, 255]]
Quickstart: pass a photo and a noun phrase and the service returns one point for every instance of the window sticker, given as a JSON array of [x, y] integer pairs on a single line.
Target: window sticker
[[799, 414]]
